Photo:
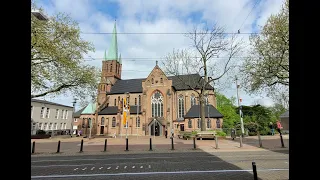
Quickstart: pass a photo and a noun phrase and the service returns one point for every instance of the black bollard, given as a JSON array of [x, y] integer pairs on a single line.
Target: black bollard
[[194, 143], [172, 146], [216, 139], [58, 149], [150, 149], [254, 168], [81, 146], [127, 146], [33, 147], [282, 144], [105, 145]]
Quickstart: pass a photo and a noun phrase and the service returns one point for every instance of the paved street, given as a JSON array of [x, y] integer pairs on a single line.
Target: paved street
[[184, 165]]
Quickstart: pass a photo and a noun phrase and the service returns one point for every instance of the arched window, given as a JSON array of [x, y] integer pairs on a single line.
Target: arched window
[[161, 80], [209, 123], [107, 68], [138, 122], [115, 102], [180, 106], [119, 99], [189, 123], [139, 100], [152, 81], [199, 123], [135, 101], [193, 99], [110, 67], [113, 122], [157, 104], [89, 122], [218, 123], [83, 123], [102, 121]]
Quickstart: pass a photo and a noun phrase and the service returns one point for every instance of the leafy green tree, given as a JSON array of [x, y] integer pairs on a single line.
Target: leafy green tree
[[225, 106], [57, 64], [267, 67]]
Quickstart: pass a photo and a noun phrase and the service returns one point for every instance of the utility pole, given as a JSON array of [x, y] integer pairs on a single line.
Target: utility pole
[[239, 105]]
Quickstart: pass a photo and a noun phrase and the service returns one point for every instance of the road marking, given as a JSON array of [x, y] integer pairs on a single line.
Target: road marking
[[92, 168], [125, 167], [117, 167], [149, 166], [84, 168], [109, 168], [75, 169], [141, 167], [152, 173], [133, 167], [100, 167]]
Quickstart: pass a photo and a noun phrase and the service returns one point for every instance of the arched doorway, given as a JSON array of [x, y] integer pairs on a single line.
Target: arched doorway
[[155, 128]]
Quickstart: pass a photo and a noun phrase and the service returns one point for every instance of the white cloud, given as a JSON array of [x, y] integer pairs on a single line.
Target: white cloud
[[158, 16]]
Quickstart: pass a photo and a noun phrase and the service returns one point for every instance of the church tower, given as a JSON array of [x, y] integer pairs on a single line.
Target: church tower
[[111, 68]]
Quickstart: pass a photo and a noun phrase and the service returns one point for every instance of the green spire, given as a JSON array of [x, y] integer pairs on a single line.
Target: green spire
[[120, 60], [113, 48]]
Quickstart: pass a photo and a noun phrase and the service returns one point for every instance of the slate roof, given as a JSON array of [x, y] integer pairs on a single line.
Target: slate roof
[[194, 112], [285, 115], [135, 85], [78, 113], [113, 110], [47, 102]]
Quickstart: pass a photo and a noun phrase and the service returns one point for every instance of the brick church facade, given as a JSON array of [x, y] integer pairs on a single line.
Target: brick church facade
[[157, 102]]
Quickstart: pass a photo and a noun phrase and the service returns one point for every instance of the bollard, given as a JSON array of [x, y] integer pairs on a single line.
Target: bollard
[[254, 168], [194, 143], [81, 146], [33, 146], [150, 149], [260, 142], [240, 140], [105, 145], [282, 144], [127, 146], [172, 146], [216, 139], [58, 149]]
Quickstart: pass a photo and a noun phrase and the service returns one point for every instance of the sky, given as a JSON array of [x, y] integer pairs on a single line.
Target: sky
[[140, 52]]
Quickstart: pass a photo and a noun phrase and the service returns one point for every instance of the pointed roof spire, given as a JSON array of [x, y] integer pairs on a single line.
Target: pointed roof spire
[[105, 55], [113, 48], [120, 60]]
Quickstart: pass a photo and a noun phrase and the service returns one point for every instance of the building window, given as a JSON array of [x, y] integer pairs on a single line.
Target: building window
[[83, 123], [199, 123], [107, 68], [40, 126], [56, 126], [113, 122], [209, 123], [218, 123], [135, 101], [65, 125], [45, 126], [75, 120], [102, 121], [110, 67], [61, 126], [57, 114], [115, 102], [48, 113], [66, 114], [50, 126], [31, 110], [89, 123], [42, 112], [180, 106], [161, 80], [157, 104], [152, 81], [138, 122], [118, 100], [139, 98], [189, 123], [193, 99], [62, 114]]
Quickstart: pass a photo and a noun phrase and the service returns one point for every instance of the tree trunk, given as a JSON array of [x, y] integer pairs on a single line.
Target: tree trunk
[[202, 113]]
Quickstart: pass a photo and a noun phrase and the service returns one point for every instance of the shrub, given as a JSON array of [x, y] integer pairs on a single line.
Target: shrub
[[41, 131], [221, 133]]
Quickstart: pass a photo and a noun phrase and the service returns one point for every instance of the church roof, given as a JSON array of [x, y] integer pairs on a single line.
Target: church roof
[[135, 85], [113, 48], [90, 109], [78, 113], [194, 112]]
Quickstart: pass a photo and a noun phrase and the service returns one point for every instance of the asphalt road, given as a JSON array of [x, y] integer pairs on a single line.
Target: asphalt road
[[193, 165]]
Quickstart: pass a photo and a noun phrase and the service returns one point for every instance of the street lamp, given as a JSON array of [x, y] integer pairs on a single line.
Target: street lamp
[[74, 106], [39, 15], [127, 96]]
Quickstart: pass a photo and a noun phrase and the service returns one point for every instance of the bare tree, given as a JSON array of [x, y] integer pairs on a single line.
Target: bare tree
[[208, 44]]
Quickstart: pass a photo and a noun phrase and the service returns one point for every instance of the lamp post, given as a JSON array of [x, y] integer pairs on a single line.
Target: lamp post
[[240, 111], [127, 96], [74, 108]]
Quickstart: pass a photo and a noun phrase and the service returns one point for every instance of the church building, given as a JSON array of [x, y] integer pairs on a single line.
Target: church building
[[157, 102]]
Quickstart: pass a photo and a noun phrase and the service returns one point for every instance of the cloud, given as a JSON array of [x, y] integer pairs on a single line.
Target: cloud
[[143, 16]]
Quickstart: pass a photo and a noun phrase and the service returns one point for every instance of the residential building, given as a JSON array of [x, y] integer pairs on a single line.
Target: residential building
[[49, 116]]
